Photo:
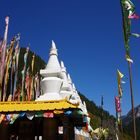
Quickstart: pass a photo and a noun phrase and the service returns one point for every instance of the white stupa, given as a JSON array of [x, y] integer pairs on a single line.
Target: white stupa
[[56, 84], [51, 83], [75, 93], [65, 86], [66, 90], [70, 82]]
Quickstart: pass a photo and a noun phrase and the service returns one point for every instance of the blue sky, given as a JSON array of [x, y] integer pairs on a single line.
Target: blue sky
[[89, 39]]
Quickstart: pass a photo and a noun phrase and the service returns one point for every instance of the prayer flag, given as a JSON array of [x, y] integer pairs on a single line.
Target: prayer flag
[[128, 58], [118, 105], [23, 74], [32, 96], [13, 118], [48, 115], [8, 65], [37, 85], [3, 54], [2, 117], [33, 61], [135, 34], [27, 84], [128, 13], [16, 59], [119, 76]]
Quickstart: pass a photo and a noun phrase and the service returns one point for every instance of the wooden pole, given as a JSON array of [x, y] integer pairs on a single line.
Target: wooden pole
[[102, 103], [121, 127], [132, 102], [126, 39]]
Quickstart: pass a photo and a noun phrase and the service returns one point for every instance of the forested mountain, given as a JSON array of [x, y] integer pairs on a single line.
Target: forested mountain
[[96, 112], [38, 63]]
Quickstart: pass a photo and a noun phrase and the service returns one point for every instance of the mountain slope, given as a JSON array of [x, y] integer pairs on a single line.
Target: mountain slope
[[39, 63], [128, 122]]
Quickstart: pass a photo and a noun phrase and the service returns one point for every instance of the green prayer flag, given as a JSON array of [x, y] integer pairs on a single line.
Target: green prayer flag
[[128, 13], [126, 25]]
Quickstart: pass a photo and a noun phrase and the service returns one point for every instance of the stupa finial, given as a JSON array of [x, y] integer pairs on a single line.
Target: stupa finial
[[53, 45], [53, 65], [53, 50]]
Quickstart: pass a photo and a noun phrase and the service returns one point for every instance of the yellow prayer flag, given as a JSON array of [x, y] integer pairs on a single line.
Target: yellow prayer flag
[[119, 76], [33, 60]]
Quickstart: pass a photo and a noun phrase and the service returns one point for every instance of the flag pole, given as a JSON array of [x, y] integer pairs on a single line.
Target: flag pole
[[132, 101], [102, 103], [126, 31], [121, 126], [116, 123]]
